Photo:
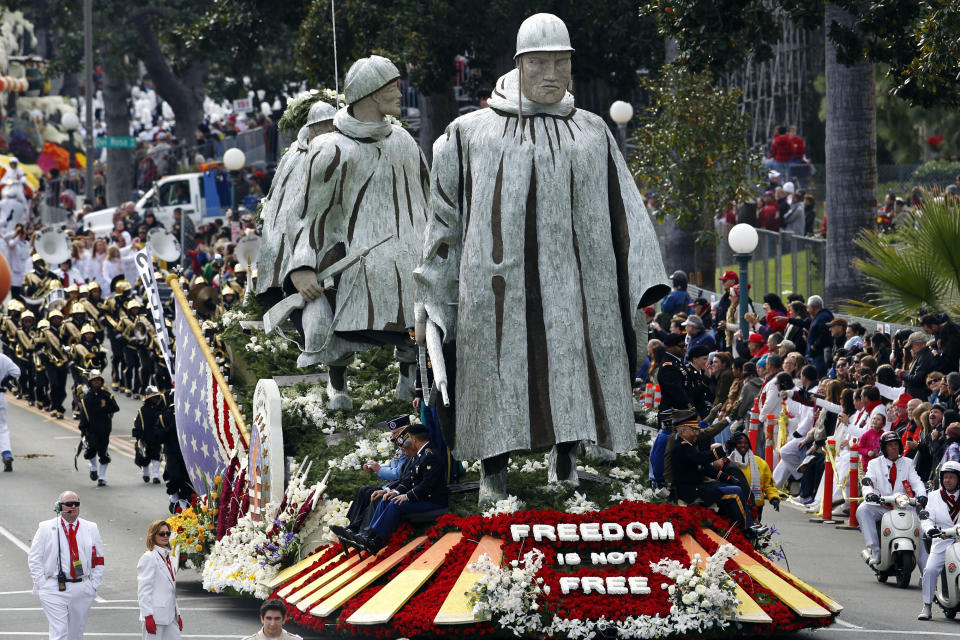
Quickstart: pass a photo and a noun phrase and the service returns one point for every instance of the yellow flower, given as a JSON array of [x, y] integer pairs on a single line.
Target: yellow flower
[[199, 547], [200, 528], [217, 479], [214, 495]]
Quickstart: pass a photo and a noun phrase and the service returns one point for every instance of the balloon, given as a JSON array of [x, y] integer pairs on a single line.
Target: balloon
[[3, 83], [4, 277]]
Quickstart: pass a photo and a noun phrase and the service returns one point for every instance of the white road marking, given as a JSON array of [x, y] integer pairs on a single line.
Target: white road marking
[[892, 631], [844, 623], [14, 539], [13, 593]]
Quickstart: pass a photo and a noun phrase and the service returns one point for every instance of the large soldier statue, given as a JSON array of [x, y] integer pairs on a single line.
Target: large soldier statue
[[350, 244], [538, 254]]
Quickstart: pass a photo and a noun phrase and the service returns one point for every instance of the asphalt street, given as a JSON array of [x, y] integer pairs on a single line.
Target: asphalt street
[[823, 556]]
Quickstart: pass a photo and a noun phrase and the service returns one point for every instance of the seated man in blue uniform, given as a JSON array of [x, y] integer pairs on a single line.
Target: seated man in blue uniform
[[419, 489], [698, 473]]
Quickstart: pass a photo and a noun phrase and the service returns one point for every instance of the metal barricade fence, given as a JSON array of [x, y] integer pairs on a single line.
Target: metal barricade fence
[[783, 262]]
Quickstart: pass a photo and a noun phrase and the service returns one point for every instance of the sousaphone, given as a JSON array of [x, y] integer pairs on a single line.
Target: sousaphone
[[163, 244], [53, 244]]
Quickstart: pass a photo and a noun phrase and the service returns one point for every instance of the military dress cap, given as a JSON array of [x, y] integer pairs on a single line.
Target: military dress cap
[[134, 304], [673, 340], [393, 423], [77, 307], [94, 374], [43, 324], [15, 305], [27, 314], [93, 284], [72, 288], [685, 418], [368, 75], [36, 258], [56, 313], [122, 286], [87, 328], [85, 288], [698, 352], [320, 111], [542, 32]]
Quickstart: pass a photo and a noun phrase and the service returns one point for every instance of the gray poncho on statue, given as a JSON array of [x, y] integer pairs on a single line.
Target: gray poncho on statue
[[537, 255], [287, 189], [364, 205]]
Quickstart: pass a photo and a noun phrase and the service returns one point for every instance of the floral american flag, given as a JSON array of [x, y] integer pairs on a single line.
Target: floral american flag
[[206, 428]]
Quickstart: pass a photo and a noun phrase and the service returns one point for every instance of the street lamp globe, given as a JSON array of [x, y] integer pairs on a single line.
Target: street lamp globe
[[70, 121], [621, 112], [743, 238], [234, 159]]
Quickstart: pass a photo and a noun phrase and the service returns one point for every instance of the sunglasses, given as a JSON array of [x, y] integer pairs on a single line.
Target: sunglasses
[[72, 503], [163, 534]]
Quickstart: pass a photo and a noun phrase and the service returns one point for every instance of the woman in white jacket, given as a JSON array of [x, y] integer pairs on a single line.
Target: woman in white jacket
[[157, 586]]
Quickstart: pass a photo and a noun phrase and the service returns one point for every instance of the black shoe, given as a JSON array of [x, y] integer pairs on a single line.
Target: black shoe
[[369, 543], [101, 483], [346, 538], [156, 481], [172, 508], [8, 464], [94, 476], [146, 479]]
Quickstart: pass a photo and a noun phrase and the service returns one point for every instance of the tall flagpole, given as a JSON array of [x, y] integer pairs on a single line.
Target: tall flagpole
[[88, 93]]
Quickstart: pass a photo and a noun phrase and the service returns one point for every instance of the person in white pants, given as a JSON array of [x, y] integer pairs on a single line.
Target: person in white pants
[[943, 512], [66, 565], [888, 474], [157, 586], [7, 370]]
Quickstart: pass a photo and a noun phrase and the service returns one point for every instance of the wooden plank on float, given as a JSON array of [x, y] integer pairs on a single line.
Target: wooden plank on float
[[833, 605], [801, 604], [384, 605], [456, 609], [294, 570], [748, 610], [316, 576], [347, 567], [365, 578]]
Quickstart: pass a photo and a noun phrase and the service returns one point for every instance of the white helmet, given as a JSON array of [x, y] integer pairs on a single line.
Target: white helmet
[[951, 466], [319, 112], [368, 75], [542, 32]]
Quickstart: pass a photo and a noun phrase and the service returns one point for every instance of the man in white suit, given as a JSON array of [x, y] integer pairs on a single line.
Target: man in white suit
[[157, 586], [66, 564], [943, 511]]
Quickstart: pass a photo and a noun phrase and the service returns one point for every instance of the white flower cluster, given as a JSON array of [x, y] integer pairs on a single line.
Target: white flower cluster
[[366, 449], [234, 562], [634, 492], [530, 466], [327, 95], [509, 504], [624, 474], [509, 594], [703, 599], [578, 503], [316, 528], [262, 343], [231, 317]]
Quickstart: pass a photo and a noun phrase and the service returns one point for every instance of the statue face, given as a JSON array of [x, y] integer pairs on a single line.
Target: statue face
[[387, 100], [320, 128], [545, 75]]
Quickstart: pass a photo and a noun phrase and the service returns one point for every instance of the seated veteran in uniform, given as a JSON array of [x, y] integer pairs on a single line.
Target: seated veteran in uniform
[[698, 473], [421, 488]]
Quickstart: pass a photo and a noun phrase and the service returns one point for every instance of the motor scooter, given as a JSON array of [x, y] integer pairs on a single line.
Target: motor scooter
[[899, 535], [947, 594]]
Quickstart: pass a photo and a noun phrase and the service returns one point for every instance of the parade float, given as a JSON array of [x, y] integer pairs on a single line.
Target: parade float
[[546, 551]]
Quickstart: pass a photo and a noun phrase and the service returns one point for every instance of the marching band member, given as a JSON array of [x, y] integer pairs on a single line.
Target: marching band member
[[66, 565], [96, 422], [55, 361], [8, 369]]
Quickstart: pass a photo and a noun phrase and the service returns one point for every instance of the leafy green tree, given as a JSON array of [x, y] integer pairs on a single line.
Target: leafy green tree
[[692, 150]]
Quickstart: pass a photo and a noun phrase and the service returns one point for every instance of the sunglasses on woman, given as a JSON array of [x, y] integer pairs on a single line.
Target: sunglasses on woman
[[163, 534]]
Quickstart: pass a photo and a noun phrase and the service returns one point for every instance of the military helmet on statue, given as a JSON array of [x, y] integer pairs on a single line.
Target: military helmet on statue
[[320, 112], [542, 32], [368, 75]]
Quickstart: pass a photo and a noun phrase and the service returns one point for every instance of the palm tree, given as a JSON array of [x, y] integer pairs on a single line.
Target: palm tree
[[851, 154], [913, 271]]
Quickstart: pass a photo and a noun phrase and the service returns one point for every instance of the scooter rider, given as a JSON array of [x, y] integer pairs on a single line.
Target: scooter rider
[[943, 511], [890, 473]]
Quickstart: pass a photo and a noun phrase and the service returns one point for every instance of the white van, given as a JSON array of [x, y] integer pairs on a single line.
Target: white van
[[184, 190]]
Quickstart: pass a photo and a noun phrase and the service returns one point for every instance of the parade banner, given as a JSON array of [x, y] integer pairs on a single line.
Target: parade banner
[[149, 280]]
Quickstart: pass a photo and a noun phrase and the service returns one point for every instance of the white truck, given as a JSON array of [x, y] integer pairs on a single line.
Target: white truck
[[184, 190]]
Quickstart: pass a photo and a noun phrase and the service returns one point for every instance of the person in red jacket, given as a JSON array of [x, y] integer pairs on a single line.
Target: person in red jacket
[[782, 149], [799, 148], [769, 216]]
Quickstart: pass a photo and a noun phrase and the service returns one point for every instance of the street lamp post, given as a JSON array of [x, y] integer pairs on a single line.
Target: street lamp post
[[70, 122], [621, 113], [233, 161], [743, 241]]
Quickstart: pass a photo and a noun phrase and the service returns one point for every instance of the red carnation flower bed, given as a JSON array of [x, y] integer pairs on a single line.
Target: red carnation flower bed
[[415, 618]]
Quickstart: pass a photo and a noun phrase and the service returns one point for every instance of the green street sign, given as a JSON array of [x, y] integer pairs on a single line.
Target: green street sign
[[115, 142]]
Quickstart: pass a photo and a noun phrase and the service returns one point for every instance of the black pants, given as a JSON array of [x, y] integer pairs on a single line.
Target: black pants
[[97, 444], [57, 379], [148, 364], [811, 476], [116, 360], [361, 511], [131, 370]]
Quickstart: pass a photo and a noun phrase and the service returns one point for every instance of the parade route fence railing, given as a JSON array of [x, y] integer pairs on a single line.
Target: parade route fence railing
[[783, 263]]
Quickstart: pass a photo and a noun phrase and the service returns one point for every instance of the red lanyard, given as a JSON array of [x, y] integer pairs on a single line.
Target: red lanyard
[[169, 566]]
